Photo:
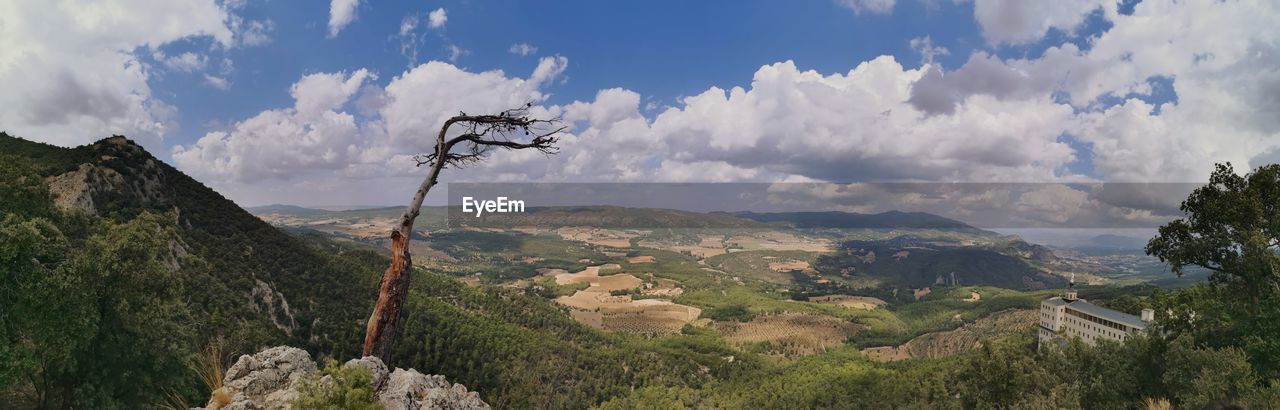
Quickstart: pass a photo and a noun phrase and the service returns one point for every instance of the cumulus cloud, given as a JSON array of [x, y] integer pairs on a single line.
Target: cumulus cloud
[[319, 135], [860, 126], [436, 18], [869, 6], [254, 32], [522, 49], [185, 62], [313, 134], [1026, 119], [1020, 21], [217, 82], [341, 13], [71, 74], [1220, 58]]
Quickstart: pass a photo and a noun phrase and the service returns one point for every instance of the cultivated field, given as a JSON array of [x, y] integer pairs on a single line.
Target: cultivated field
[[855, 302], [595, 306], [789, 333]]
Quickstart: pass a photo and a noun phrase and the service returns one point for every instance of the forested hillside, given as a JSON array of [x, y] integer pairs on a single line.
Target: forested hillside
[[119, 271]]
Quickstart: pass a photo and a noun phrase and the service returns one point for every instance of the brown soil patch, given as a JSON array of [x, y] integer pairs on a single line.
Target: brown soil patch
[[790, 334], [606, 284], [780, 241], [855, 302], [640, 259], [596, 236], [788, 265]]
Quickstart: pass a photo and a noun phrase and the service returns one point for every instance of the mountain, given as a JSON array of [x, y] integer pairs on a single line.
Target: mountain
[[606, 217], [271, 287], [284, 209], [1117, 242], [847, 220]]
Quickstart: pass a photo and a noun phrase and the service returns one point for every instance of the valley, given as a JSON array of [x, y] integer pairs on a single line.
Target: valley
[[695, 309]]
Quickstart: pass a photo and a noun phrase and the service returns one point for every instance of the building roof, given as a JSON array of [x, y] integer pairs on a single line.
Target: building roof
[[1055, 302], [1108, 314]]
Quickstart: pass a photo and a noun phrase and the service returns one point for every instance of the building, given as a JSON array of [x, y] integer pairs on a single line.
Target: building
[[1068, 316]]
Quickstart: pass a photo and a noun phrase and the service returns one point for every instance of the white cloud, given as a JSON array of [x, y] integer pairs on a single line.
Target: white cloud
[[1020, 21], [71, 74], [456, 52], [991, 120], [217, 82], [319, 137], [924, 46], [859, 126], [870, 6], [185, 62], [522, 49], [314, 134], [437, 18], [255, 32], [341, 13]]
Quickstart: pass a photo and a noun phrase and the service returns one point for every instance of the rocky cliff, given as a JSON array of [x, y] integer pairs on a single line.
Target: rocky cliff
[[273, 378]]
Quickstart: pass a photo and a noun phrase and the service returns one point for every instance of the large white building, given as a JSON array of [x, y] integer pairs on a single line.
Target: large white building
[[1067, 316]]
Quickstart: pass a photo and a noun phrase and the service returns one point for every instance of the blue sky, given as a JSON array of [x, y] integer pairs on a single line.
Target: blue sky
[[305, 102], [662, 49]]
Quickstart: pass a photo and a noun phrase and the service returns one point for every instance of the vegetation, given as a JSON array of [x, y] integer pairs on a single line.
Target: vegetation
[[111, 309], [337, 387]]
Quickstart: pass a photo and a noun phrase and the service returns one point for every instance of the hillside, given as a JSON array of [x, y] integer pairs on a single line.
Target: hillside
[[273, 288], [847, 220]]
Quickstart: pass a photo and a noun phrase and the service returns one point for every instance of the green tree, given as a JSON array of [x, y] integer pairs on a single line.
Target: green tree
[[102, 324], [1232, 228]]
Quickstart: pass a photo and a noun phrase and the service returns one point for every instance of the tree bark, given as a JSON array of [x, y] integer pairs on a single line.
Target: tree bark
[[384, 323]]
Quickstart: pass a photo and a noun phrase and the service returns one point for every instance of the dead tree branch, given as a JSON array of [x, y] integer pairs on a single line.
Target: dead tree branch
[[513, 129]]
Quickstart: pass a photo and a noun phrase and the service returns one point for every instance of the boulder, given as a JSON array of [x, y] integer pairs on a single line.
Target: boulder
[[266, 379], [271, 378], [410, 390]]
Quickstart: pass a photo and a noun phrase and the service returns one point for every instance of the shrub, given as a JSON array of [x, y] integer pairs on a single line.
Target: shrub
[[337, 387]]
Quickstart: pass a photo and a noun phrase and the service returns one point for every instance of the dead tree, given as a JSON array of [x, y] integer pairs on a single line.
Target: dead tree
[[480, 135]]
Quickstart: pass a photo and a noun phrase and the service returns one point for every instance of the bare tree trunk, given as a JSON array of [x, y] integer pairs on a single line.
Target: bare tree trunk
[[384, 323], [480, 134]]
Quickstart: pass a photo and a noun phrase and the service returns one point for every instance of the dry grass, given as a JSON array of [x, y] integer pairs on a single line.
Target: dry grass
[[1156, 404], [208, 366]]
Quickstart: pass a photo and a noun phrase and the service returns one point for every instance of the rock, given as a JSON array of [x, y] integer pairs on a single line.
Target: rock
[[376, 368], [410, 390], [266, 379], [271, 378]]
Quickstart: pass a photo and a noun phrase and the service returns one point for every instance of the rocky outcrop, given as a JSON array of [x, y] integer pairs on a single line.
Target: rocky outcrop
[[75, 190], [271, 379]]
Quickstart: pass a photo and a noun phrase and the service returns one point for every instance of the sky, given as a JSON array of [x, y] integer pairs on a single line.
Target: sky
[[324, 103]]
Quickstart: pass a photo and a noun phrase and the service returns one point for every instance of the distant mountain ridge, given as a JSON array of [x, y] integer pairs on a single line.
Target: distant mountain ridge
[[837, 219]]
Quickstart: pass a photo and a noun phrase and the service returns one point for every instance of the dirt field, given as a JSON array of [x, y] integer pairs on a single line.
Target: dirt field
[[596, 236], [594, 306], [640, 259], [708, 246], [598, 283], [790, 334], [779, 241], [788, 265], [855, 302]]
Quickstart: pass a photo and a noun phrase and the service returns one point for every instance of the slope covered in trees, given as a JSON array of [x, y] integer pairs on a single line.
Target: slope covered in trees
[[106, 306]]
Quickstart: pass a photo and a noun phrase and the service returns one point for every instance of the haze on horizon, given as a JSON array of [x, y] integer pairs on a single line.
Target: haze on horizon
[[272, 103]]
